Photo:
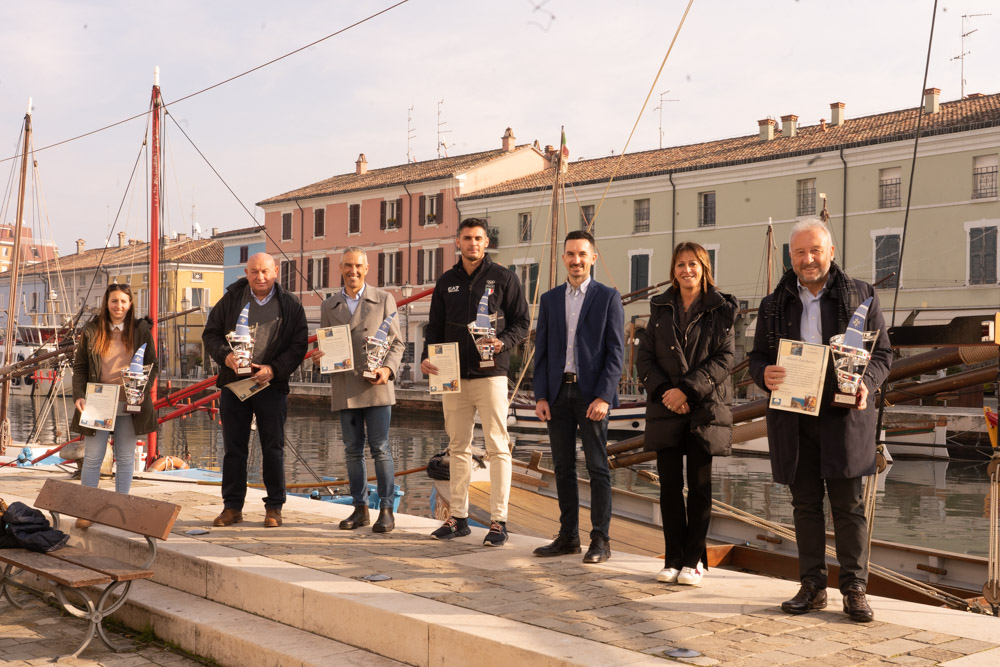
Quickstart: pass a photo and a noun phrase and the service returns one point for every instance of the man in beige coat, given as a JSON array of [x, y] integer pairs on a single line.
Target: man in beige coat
[[364, 405]]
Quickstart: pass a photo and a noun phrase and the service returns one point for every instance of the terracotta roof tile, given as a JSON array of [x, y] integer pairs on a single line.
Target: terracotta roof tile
[[957, 116], [414, 172], [197, 251]]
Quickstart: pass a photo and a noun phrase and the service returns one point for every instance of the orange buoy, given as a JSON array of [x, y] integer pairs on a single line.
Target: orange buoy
[[168, 463]]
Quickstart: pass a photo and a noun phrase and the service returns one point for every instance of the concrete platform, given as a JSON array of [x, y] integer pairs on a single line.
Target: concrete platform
[[459, 603]]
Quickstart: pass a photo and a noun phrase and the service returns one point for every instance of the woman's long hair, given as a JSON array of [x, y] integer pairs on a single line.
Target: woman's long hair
[[702, 256], [103, 340]]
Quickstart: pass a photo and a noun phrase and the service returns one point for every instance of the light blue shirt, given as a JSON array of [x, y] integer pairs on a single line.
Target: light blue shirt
[[811, 326], [574, 304], [352, 302], [264, 301]]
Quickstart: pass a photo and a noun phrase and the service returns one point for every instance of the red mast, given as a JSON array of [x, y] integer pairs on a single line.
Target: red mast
[[154, 242]]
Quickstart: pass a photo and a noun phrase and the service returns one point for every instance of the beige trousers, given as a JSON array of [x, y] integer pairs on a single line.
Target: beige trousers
[[488, 396]]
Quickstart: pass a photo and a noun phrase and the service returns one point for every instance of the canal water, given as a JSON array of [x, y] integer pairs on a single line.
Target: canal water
[[940, 505]]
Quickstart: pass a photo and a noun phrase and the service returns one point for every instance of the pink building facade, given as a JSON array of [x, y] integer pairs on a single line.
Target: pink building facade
[[405, 217]]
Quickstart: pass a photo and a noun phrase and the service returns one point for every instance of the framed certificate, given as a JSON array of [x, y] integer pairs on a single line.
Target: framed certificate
[[338, 352], [101, 406], [246, 388], [805, 373], [445, 357]]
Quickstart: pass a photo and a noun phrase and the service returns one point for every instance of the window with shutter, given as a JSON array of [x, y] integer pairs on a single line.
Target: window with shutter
[[381, 270], [439, 208], [309, 275], [319, 223], [639, 272], [983, 256], [886, 260], [398, 214], [354, 220], [399, 268], [421, 276], [423, 211], [286, 226], [381, 220], [438, 262]]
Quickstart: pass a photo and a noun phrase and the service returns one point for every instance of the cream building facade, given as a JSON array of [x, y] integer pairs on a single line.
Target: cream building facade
[[725, 194]]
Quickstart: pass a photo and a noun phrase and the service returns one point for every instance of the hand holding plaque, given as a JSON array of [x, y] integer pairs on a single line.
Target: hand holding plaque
[[483, 331], [851, 354], [377, 348], [241, 341], [134, 379]]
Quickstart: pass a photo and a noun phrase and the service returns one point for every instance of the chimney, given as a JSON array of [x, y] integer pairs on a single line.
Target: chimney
[[974, 96], [788, 125], [182, 237], [121, 240], [361, 166], [507, 141], [822, 124], [80, 245], [766, 129], [931, 100], [215, 231], [836, 114]]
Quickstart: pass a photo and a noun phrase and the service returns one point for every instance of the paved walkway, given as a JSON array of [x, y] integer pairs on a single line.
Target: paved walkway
[[555, 611], [33, 635]]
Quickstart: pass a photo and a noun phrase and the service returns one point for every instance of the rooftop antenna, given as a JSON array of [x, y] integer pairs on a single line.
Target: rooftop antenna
[[964, 53], [440, 142], [660, 107], [195, 227], [411, 134]]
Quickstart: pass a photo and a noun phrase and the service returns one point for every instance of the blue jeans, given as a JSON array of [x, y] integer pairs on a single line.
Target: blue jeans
[[124, 444], [569, 413], [353, 424]]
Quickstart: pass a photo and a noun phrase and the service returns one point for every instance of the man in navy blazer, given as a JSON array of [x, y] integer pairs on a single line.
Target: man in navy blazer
[[579, 350]]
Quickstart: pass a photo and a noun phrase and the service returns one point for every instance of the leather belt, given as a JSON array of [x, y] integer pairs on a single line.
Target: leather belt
[[569, 378]]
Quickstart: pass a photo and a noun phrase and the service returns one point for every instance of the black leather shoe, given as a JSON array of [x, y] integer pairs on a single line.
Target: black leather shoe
[[598, 552], [385, 522], [856, 604], [560, 546], [357, 519], [809, 598]]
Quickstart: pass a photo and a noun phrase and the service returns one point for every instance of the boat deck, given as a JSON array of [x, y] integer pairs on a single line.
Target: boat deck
[[458, 603]]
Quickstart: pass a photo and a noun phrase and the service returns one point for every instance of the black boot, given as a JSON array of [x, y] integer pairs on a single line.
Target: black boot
[[357, 519], [809, 598], [385, 522]]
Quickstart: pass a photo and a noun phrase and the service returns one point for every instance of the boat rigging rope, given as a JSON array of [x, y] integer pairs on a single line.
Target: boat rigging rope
[[991, 589]]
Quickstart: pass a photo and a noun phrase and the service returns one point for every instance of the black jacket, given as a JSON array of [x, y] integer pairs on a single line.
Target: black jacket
[[287, 349], [453, 307], [697, 362], [87, 368], [847, 436], [27, 528]]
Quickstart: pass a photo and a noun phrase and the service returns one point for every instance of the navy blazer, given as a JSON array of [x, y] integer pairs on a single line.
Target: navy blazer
[[600, 344]]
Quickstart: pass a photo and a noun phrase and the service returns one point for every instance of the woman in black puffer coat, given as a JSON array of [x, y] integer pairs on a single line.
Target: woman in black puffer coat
[[684, 359]]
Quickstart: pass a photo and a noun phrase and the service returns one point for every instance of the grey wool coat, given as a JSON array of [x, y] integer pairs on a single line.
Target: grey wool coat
[[349, 389]]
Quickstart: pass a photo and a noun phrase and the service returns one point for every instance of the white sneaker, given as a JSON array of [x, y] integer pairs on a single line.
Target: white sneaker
[[691, 576], [668, 575]]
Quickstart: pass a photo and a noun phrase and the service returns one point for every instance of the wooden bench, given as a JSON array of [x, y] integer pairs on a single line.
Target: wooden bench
[[74, 569]]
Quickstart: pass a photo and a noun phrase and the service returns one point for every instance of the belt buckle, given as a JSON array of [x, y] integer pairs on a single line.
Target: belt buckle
[[569, 378]]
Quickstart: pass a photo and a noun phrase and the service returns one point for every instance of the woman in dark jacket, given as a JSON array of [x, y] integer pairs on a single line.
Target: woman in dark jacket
[[684, 358], [106, 347]]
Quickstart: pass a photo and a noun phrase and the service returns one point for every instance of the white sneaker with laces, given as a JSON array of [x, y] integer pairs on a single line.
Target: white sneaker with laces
[[691, 576], [668, 575]]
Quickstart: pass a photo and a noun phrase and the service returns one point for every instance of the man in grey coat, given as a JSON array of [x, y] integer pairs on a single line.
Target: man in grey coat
[[364, 405]]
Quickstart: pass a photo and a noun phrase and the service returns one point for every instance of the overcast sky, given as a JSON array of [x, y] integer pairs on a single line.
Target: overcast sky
[[527, 64]]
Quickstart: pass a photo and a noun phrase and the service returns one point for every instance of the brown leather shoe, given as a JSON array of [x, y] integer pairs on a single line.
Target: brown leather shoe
[[83, 524], [359, 517], [228, 517], [272, 518], [809, 598], [856, 604]]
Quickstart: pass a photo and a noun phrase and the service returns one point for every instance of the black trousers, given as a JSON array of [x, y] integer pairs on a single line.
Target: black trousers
[[685, 530], [569, 415], [850, 527], [271, 407]]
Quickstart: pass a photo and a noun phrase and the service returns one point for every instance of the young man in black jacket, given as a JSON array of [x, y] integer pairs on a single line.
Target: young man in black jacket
[[279, 347], [484, 387]]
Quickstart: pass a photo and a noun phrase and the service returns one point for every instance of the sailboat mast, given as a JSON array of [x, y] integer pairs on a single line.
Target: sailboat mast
[[15, 270], [154, 240], [770, 245], [554, 240]]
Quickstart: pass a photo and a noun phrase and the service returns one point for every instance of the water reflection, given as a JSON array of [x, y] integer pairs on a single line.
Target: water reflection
[[932, 504]]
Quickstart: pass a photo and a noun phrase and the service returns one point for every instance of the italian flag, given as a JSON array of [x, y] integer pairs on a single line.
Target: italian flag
[[562, 146]]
